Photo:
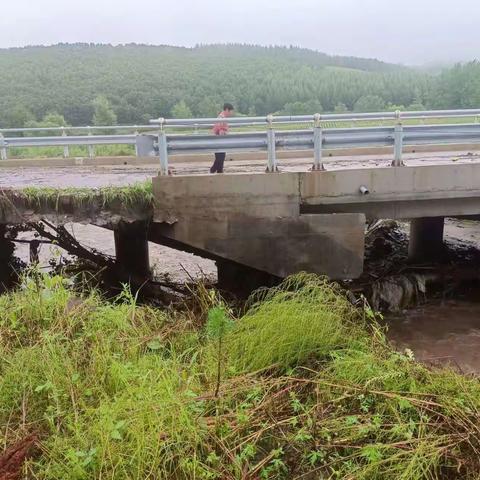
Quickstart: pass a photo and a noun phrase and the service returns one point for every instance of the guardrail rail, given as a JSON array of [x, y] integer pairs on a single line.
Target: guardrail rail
[[153, 139]]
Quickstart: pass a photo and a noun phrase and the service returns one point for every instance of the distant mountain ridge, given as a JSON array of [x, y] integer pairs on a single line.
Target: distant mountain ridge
[[132, 83], [314, 57]]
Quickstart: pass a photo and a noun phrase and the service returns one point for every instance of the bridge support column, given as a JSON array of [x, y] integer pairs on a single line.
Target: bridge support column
[[8, 274], [426, 239], [131, 247], [242, 280]]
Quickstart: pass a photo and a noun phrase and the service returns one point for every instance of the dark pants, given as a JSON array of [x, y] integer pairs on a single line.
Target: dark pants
[[217, 166]]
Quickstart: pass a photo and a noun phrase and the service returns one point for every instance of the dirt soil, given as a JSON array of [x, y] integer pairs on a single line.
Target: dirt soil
[[13, 458]]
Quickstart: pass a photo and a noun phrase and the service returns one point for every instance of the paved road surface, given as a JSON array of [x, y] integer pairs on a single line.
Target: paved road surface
[[88, 176]]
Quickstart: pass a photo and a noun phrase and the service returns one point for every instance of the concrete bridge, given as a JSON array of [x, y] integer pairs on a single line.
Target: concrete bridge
[[286, 222], [258, 226], [267, 224]]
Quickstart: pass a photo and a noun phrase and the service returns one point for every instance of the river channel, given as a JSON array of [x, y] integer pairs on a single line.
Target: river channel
[[441, 332]]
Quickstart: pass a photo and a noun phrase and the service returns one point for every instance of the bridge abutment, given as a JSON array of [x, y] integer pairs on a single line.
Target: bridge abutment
[[426, 239], [254, 221], [131, 248]]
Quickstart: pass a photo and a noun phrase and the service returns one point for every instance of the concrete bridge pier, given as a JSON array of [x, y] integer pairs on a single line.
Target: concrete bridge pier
[[426, 239], [131, 248], [7, 270]]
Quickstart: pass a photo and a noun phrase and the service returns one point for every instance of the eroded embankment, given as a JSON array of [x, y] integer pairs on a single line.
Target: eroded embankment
[[392, 283], [104, 206]]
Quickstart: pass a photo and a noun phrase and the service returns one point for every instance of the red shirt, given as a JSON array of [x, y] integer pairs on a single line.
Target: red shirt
[[220, 128]]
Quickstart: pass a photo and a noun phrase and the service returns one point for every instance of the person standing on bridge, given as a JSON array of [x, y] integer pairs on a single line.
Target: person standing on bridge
[[221, 128]]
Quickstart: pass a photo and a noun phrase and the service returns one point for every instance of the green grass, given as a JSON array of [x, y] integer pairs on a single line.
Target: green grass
[[75, 151], [311, 390], [302, 304], [137, 196]]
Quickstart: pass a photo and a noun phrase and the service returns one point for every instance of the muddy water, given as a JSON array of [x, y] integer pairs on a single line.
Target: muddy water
[[98, 175], [165, 262], [441, 333], [444, 331]]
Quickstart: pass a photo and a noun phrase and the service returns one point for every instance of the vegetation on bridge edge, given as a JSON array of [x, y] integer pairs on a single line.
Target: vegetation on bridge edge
[[136, 197], [300, 385]]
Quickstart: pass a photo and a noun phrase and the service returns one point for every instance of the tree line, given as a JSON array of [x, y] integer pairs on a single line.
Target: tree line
[[87, 84]]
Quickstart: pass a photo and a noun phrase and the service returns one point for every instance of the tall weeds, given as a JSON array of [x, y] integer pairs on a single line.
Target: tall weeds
[[306, 317], [122, 391]]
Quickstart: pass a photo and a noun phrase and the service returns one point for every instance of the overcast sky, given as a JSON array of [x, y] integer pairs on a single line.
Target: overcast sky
[[405, 31]]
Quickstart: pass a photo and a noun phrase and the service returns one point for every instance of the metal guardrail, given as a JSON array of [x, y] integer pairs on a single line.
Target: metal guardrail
[[381, 116], [317, 137], [90, 138]]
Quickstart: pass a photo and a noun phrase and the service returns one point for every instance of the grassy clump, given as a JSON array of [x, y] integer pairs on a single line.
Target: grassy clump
[[138, 196], [306, 317], [100, 382], [118, 390]]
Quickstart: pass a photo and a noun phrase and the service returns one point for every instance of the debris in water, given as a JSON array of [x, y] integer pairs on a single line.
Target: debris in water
[[395, 293]]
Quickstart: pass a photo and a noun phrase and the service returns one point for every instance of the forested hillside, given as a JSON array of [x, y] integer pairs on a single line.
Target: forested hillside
[[130, 84]]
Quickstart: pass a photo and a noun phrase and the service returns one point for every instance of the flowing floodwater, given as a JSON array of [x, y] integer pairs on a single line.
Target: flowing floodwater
[[441, 332], [178, 266], [94, 176], [444, 331]]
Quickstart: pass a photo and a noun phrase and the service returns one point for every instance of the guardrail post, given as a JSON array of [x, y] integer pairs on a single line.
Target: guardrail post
[[66, 151], [163, 148], [398, 142], [3, 148], [136, 135], [272, 157], [91, 149], [317, 143]]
